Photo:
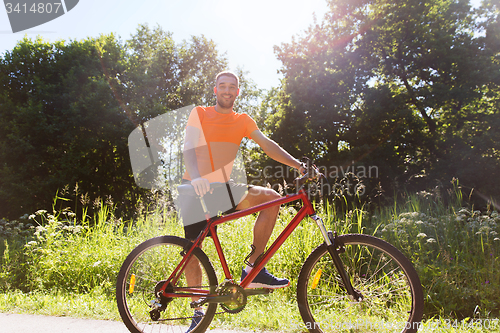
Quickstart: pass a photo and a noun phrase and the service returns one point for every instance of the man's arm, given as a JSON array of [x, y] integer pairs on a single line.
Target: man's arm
[[201, 185], [274, 151]]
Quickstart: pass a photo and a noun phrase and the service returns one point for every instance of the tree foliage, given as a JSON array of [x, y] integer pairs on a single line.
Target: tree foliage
[[67, 108], [409, 86], [60, 123]]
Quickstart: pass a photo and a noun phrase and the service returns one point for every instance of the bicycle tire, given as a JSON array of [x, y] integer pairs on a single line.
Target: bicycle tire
[[393, 297], [151, 262]]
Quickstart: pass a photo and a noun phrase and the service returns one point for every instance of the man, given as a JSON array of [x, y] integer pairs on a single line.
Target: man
[[213, 136]]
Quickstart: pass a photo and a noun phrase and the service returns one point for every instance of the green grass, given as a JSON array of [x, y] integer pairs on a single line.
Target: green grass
[[58, 264], [96, 304]]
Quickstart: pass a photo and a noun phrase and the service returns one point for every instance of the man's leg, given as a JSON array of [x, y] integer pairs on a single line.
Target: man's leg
[[193, 270], [193, 278], [266, 220], [262, 232], [193, 274]]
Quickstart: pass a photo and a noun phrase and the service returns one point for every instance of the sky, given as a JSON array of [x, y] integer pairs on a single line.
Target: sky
[[246, 31]]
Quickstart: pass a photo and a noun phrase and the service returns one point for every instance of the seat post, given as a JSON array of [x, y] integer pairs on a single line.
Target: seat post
[[205, 209]]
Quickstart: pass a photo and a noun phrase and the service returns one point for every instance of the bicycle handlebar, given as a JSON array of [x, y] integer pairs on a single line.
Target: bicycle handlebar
[[312, 173]]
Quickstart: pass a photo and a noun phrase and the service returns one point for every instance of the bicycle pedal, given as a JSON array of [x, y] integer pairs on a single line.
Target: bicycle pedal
[[198, 303]]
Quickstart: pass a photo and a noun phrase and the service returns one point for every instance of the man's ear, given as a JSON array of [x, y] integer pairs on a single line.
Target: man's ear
[[238, 92], [215, 90]]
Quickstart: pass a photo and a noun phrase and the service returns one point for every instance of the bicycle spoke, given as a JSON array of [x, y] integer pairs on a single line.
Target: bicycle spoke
[[142, 308], [387, 292]]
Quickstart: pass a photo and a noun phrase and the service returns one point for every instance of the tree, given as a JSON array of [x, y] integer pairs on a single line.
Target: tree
[[405, 85], [67, 109], [61, 124]]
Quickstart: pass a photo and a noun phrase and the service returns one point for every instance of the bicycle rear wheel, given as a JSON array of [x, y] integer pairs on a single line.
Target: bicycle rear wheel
[[392, 294], [144, 270]]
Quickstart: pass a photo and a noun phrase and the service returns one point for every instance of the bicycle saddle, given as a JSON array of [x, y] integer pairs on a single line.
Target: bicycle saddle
[[188, 189]]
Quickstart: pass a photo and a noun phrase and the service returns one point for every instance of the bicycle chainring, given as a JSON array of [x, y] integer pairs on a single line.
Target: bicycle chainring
[[238, 298]]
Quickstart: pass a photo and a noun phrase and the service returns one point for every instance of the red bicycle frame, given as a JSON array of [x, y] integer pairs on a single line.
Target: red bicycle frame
[[307, 209]]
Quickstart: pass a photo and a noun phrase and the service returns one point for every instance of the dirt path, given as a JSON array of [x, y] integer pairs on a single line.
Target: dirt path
[[25, 323]]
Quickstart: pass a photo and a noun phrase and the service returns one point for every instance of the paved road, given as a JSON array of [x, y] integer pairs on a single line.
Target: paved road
[[25, 323]]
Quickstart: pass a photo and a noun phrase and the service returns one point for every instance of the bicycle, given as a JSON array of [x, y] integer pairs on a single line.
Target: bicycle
[[355, 273]]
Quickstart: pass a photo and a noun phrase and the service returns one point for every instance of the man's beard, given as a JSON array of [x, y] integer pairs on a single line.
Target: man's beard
[[224, 104]]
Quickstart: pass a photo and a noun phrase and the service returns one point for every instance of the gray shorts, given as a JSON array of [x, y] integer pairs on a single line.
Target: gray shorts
[[223, 200]]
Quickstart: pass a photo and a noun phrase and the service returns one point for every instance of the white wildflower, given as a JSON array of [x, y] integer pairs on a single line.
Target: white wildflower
[[40, 229], [409, 215], [464, 211], [422, 235], [431, 240], [390, 226], [484, 230]]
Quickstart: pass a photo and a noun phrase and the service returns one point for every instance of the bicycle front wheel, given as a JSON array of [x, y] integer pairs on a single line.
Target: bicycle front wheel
[[392, 297], [143, 273]]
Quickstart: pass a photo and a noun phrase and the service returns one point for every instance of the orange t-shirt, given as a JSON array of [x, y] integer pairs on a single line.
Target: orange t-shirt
[[219, 141]]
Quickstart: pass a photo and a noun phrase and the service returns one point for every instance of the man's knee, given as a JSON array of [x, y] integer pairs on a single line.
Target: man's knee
[[264, 194], [273, 195], [258, 195]]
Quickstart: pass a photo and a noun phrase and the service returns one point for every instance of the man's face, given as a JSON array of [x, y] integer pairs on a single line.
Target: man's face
[[226, 90]]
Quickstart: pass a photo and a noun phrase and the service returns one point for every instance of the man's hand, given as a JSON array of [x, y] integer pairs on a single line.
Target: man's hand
[[302, 170], [201, 186], [313, 171]]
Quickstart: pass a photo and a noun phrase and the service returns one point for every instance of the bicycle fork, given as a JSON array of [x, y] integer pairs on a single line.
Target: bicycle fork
[[334, 248]]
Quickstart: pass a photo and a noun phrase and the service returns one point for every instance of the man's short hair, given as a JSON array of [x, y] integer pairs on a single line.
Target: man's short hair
[[230, 74]]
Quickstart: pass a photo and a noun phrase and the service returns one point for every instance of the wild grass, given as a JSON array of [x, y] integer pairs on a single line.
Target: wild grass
[[455, 249], [55, 263]]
